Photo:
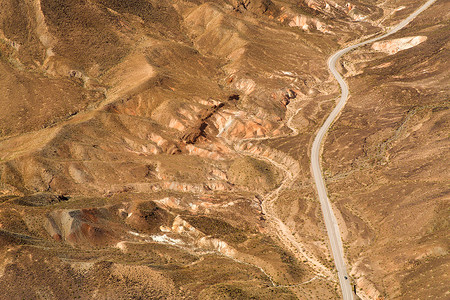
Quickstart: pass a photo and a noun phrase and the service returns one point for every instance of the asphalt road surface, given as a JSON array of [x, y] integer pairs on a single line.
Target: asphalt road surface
[[328, 215]]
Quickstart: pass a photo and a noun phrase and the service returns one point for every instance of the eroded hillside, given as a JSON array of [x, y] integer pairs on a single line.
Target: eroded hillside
[[387, 160], [159, 149]]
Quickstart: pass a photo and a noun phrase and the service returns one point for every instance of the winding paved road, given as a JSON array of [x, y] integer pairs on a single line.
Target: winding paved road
[[330, 220]]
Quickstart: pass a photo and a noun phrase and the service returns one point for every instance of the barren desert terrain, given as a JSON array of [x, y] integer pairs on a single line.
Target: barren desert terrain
[[162, 149]]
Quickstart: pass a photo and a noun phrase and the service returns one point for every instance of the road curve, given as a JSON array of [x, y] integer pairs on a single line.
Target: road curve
[[328, 215]]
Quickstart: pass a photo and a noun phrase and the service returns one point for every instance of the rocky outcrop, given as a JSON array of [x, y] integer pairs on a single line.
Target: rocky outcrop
[[84, 227], [393, 46], [105, 226], [234, 125], [288, 96], [198, 128], [255, 6], [306, 23]]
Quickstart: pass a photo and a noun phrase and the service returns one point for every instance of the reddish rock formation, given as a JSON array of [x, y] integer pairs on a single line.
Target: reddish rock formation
[[198, 128]]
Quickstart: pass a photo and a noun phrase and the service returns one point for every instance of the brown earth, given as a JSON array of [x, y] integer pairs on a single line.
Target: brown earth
[[387, 164], [140, 140]]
